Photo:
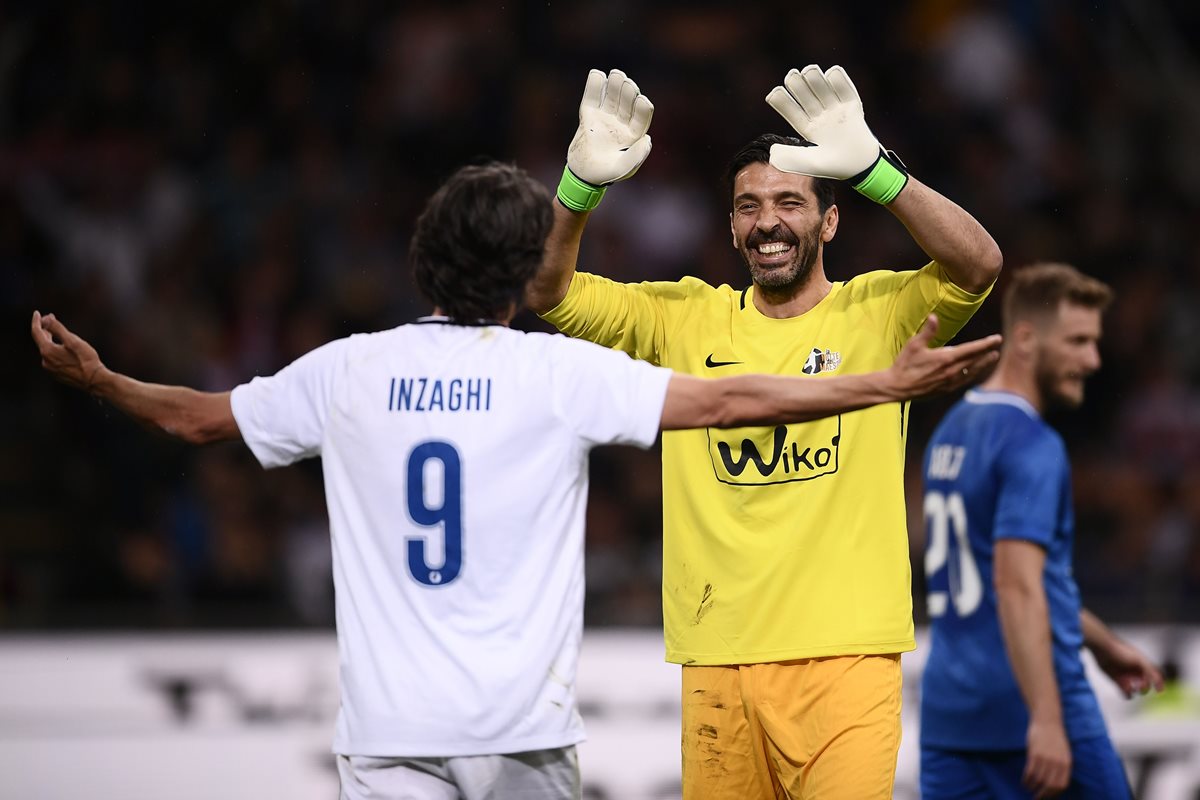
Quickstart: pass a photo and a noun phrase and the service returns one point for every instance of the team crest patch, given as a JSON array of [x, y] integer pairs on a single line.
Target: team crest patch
[[821, 361]]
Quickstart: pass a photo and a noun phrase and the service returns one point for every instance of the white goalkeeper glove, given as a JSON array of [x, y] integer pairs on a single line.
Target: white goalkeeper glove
[[611, 141], [824, 108]]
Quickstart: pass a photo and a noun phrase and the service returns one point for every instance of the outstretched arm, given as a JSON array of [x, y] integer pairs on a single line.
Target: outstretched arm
[[825, 108], [1128, 667], [195, 417], [772, 399], [609, 146]]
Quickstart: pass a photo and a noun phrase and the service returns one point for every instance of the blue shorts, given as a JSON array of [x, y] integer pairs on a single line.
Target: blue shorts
[[1096, 773]]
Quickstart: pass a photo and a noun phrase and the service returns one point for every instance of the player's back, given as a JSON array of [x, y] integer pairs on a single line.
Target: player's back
[[993, 470], [455, 461]]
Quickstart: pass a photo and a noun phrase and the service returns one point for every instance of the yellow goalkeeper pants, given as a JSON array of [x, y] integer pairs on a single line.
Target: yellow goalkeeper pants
[[825, 728]]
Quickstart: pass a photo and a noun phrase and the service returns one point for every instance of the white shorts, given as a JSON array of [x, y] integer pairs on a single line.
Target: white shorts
[[537, 775]]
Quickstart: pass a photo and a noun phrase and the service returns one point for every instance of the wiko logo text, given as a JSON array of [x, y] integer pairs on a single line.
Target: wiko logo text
[[761, 456]]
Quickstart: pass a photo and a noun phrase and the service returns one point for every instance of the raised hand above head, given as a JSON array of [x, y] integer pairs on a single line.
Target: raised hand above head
[[824, 108], [611, 142]]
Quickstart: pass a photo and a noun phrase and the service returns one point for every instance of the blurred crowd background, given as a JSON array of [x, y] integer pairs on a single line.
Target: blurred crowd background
[[208, 190]]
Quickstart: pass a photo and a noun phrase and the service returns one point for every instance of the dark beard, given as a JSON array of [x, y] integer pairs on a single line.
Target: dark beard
[[786, 280], [1047, 382]]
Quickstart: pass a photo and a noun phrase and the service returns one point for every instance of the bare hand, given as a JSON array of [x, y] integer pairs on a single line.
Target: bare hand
[[1128, 667], [64, 355], [1048, 759], [921, 370]]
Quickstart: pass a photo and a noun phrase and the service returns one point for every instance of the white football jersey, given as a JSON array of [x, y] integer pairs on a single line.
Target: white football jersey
[[456, 476]]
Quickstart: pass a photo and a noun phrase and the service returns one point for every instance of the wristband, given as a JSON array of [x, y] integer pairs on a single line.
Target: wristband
[[577, 194], [883, 180]]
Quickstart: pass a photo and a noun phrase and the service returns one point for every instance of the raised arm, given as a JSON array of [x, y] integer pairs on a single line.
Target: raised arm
[[550, 285], [1025, 624], [771, 399], [195, 417], [825, 108], [949, 236], [609, 146]]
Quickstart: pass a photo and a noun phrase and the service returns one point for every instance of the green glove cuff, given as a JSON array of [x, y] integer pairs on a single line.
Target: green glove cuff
[[576, 194], [883, 180]]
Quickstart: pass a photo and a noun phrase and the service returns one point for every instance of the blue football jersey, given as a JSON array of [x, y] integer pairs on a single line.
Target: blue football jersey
[[995, 470]]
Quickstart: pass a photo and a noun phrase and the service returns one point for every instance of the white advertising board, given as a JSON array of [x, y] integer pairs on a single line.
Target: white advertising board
[[250, 716]]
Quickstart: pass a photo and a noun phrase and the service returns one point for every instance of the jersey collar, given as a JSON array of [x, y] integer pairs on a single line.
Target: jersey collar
[[999, 397], [470, 323]]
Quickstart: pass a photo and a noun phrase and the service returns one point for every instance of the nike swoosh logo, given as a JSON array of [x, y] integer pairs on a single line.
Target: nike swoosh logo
[[708, 362]]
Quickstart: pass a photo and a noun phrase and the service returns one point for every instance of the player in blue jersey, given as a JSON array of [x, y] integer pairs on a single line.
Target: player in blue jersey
[[1000, 525]]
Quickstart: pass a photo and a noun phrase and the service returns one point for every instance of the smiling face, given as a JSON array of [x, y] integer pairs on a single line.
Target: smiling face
[[778, 227], [1067, 353]]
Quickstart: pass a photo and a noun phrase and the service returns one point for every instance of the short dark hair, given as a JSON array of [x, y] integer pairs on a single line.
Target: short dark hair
[[758, 151], [1035, 292], [480, 239]]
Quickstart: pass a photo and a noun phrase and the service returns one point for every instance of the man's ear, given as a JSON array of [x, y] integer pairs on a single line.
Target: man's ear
[[1023, 337], [829, 224], [732, 232]]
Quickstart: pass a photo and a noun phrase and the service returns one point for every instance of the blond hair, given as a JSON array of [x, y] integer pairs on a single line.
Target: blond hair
[[1036, 292]]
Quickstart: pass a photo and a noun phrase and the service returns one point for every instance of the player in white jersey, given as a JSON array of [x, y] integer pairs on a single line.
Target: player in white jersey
[[455, 456]]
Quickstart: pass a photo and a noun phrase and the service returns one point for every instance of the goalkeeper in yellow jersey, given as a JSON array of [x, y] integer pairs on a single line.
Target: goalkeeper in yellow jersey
[[786, 584]]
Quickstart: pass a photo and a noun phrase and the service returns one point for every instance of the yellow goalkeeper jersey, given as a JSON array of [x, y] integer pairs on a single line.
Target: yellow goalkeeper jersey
[[789, 541]]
